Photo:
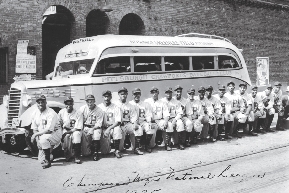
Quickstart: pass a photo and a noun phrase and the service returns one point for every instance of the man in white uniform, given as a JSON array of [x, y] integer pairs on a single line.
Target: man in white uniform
[[71, 136], [90, 122], [111, 123], [160, 113], [278, 106], [144, 114], [46, 129], [175, 121]]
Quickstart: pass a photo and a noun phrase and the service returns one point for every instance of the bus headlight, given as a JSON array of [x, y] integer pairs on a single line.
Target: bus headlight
[[26, 100]]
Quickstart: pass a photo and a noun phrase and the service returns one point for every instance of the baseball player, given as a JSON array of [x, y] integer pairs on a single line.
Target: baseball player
[[278, 105], [207, 112], [144, 114], [268, 100], [224, 110], [45, 128], [193, 113], [111, 123], [71, 136], [236, 103], [178, 96], [160, 114], [90, 122], [213, 130], [247, 110], [129, 120], [175, 121]]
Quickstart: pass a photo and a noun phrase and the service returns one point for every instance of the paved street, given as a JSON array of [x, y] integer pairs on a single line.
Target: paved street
[[257, 162]]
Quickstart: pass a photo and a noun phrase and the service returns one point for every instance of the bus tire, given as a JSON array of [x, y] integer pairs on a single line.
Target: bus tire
[[14, 143]]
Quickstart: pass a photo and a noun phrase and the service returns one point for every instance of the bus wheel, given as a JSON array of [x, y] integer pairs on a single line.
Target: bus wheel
[[14, 143], [31, 146]]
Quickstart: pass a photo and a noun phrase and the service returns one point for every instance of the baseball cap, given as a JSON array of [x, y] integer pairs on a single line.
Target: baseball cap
[[168, 89], [106, 92], [242, 84], [201, 89], [277, 84], [68, 99], [122, 89], [40, 97], [89, 97], [154, 89], [209, 87], [222, 87], [178, 87], [136, 90], [231, 82], [191, 90], [269, 86], [254, 87]]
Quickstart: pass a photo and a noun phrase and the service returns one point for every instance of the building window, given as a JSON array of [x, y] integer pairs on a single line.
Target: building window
[[3, 65]]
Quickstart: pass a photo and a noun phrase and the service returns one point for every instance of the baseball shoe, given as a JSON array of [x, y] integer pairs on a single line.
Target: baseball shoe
[[228, 137], [168, 148], [280, 129], [213, 139], [149, 150], [77, 160], [95, 156], [117, 154], [194, 141], [187, 144], [181, 147], [260, 131], [138, 152], [237, 135], [270, 130], [253, 133], [46, 164]]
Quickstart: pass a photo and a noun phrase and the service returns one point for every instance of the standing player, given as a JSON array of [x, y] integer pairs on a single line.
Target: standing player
[[129, 120], [111, 123], [236, 103], [224, 110], [46, 129], [175, 121], [193, 115], [160, 114], [144, 112], [213, 130], [278, 106], [207, 112], [71, 136], [90, 122]]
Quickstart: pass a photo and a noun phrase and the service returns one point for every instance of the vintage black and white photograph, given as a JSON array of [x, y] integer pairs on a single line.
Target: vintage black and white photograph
[[144, 96]]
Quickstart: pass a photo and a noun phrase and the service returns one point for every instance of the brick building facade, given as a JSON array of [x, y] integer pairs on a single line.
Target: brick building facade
[[260, 28]]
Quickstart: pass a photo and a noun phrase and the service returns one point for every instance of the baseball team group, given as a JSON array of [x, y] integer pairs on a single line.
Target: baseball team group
[[173, 120]]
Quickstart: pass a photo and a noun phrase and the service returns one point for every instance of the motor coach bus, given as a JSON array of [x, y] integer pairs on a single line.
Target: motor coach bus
[[108, 62]]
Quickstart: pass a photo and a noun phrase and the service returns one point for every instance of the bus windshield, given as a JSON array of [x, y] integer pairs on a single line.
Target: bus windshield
[[73, 68]]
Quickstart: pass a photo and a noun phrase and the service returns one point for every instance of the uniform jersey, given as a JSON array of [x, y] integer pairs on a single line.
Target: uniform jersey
[[67, 119], [247, 99], [46, 120], [144, 111], [225, 105], [193, 109], [159, 109], [128, 111], [235, 100], [215, 103], [207, 107], [277, 97], [268, 101], [90, 118], [112, 114], [183, 102], [175, 108]]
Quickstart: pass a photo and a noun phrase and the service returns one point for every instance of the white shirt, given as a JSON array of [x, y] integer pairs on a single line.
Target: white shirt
[[112, 114], [67, 119], [159, 108], [93, 118], [45, 120], [175, 108], [128, 111], [144, 111]]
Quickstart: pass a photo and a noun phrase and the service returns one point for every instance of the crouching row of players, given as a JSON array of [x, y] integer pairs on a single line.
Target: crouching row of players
[[91, 128]]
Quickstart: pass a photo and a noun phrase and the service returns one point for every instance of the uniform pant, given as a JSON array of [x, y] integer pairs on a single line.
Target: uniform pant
[[68, 142], [48, 140], [105, 142], [128, 128], [157, 125]]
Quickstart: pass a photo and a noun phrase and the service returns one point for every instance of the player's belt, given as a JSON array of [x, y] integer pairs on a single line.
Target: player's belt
[[124, 123], [89, 126]]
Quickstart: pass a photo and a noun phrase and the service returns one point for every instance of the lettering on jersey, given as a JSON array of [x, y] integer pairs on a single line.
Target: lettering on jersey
[[126, 115], [276, 100], [183, 107], [109, 116], [158, 109], [172, 109], [72, 123], [44, 122], [255, 106], [92, 119], [245, 103], [235, 103], [223, 107], [141, 113]]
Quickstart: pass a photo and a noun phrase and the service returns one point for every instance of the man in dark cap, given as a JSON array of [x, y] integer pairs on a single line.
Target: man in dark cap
[[90, 121], [46, 129], [160, 114], [111, 123], [144, 114], [71, 136], [278, 106], [175, 121]]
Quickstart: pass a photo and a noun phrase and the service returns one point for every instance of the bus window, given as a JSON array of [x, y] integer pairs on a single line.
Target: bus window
[[119, 64], [177, 63], [147, 63], [227, 62], [73, 68], [203, 62]]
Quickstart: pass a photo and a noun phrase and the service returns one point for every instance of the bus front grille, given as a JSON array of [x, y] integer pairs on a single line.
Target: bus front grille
[[13, 105]]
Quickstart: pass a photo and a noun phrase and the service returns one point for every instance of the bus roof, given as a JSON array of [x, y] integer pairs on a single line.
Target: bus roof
[[85, 48]]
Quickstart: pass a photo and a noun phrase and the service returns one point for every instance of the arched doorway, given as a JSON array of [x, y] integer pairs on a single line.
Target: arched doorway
[[56, 26], [97, 23], [131, 24]]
